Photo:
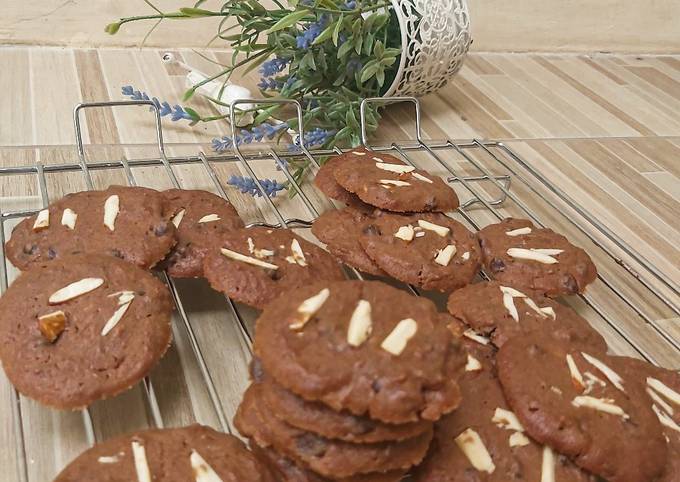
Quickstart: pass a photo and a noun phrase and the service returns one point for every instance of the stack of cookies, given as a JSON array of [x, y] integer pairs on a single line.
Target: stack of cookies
[[348, 379]]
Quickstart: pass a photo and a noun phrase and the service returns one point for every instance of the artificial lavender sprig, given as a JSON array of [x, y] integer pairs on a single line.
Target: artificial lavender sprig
[[315, 137], [176, 113], [257, 134], [247, 185]]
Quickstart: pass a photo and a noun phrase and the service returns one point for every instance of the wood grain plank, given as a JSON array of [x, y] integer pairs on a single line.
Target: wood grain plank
[[480, 65], [17, 129], [662, 152], [625, 152], [674, 62], [665, 181], [597, 65], [657, 79]]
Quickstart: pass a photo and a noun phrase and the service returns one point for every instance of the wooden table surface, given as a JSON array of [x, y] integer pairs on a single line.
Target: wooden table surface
[[604, 129]]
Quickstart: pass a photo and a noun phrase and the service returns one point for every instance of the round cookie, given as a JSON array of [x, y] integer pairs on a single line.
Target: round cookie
[[584, 406], [317, 418], [270, 262], [511, 454], [289, 472], [387, 183], [135, 228], [482, 306], [429, 250], [391, 359], [325, 179], [169, 455], [340, 230], [80, 353], [329, 458], [560, 269], [663, 386], [200, 218]]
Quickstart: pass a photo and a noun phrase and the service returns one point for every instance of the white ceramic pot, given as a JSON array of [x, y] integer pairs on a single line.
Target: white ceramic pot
[[435, 37]]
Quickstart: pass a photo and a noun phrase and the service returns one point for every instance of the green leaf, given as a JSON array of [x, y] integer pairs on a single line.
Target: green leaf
[[194, 115], [266, 114], [336, 30], [196, 12], [340, 80], [368, 23], [358, 44], [293, 4], [189, 94], [351, 119], [387, 61], [368, 44], [254, 64], [288, 20], [345, 49], [325, 35], [112, 28], [380, 76], [378, 49], [343, 133]]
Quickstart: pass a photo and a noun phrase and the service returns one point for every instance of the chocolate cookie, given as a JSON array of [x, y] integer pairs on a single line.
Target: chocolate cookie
[[340, 230], [365, 347], [325, 179], [387, 183], [317, 418], [663, 387], [502, 312], [584, 406], [518, 254], [256, 265], [288, 471], [125, 222], [170, 455], [483, 441], [200, 218], [428, 250], [329, 458], [82, 328]]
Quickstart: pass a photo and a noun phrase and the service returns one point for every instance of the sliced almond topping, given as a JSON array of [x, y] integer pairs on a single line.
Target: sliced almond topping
[[556, 390], [360, 324], [309, 308], [548, 310], [664, 390], [359, 153], [465, 256], [521, 253], [444, 255], [518, 439], [202, 471], [472, 364], [662, 403], [470, 443], [391, 182], [548, 465], [111, 208], [377, 159], [298, 256], [509, 303], [470, 333], [68, 218], [259, 253], [123, 296], [611, 375], [42, 220], [506, 419], [420, 177], [209, 218], [398, 168], [440, 230], [115, 318], [548, 251], [251, 246], [108, 459], [247, 259], [75, 289], [405, 232], [602, 404], [532, 304], [396, 341], [576, 377], [420, 234], [665, 419], [141, 465], [591, 380], [177, 218], [52, 325], [512, 292], [519, 231]]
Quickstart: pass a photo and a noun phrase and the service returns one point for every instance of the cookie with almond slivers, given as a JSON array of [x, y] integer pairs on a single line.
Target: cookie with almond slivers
[[364, 347], [200, 218], [256, 265], [192, 453], [501, 312], [123, 222], [325, 179], [584, 405], [82, 328], [428, 250], [517, 253], [385, 182]]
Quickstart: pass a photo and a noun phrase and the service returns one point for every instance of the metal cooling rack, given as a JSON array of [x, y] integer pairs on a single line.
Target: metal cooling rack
[[497, 182]]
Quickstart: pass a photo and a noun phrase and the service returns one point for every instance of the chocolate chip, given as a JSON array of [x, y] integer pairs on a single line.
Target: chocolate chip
[[376, 386], [116, 253], [496, 265], [51, 253], [29, 248], [372, 230], [161, 230], [311, 444], [274, 274], [570, 284]]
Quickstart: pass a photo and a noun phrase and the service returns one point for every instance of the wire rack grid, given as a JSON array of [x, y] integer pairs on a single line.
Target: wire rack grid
[[493, 182]]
